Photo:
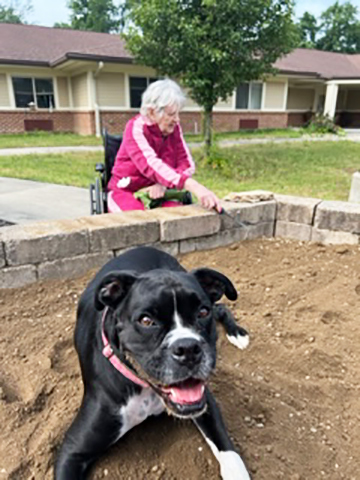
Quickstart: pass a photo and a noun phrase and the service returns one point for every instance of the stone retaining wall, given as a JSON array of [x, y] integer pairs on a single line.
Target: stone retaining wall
[[67, 248], [315, 220]]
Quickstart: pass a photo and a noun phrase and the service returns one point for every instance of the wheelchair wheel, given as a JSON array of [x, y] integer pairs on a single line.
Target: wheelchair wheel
[[92, 199], [98, 196]]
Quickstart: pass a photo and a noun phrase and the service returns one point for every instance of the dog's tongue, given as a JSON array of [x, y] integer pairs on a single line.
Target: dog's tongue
[[187, 392]]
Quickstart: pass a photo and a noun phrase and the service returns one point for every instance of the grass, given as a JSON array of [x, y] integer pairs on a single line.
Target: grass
[[49, 139], [310, 169], [321, 170], [76, 169], [240, 134], [46, 139]]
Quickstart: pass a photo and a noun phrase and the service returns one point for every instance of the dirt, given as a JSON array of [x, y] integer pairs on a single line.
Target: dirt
[[290, 401]]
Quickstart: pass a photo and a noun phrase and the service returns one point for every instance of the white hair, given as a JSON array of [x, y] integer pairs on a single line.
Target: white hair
[[161, 94]]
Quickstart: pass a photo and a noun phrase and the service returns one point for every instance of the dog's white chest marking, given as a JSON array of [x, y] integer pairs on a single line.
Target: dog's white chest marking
[[138, 408], [231, 465]]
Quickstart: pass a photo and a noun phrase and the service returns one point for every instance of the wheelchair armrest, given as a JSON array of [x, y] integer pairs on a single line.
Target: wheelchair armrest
[[99, 167]]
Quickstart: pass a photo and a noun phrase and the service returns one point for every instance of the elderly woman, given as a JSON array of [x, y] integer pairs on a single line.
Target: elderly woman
[[153, 154]]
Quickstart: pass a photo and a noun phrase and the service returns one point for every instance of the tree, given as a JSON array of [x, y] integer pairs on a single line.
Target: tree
[[340, 29], [8, 15], [308, 30], [14, 12], [62, 25], [95, 15], [211, 46]]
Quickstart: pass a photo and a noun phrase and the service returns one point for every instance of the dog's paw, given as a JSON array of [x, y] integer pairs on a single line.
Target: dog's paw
[[232, 467], [240, 339]]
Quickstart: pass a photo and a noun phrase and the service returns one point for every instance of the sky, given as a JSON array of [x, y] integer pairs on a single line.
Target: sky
[[47, 12]]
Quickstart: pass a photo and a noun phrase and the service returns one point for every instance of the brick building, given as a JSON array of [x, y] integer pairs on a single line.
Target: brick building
[[68, 80]]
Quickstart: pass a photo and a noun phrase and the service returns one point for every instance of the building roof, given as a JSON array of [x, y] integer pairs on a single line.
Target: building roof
[[31, 44], [45, 46], [326, 65]]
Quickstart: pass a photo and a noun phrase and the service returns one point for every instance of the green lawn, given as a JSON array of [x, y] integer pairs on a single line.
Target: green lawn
[[77, 169], [259, 133], [311, 169], [321, 169], [46, 139]]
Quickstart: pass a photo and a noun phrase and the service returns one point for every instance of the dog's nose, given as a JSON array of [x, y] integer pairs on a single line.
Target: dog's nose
[[187, 351]]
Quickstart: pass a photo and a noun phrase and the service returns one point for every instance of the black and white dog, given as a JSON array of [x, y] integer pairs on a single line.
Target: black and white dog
[[146, 340]]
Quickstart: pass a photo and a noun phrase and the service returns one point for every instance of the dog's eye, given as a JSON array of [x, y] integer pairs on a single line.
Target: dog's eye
[[203, 312], [146, 321]]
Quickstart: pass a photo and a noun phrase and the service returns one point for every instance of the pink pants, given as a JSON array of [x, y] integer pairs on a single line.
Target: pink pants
[[122, 201]]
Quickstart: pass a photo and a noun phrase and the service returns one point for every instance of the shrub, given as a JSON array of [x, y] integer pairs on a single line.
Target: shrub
[[215, 157], [321, 124]]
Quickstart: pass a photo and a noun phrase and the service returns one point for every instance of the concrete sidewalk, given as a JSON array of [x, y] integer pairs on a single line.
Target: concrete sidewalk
[[25, 201]]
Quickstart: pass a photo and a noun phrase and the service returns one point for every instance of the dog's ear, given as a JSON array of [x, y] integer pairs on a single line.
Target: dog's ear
[[113, 288], [215, 284]]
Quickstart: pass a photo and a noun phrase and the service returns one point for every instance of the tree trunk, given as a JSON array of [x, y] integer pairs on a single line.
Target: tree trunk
[[208, 131]]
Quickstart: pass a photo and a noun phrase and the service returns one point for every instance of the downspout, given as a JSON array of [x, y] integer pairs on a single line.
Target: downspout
[[96, 106]]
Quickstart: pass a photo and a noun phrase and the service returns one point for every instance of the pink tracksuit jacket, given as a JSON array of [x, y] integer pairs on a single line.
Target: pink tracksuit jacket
[[147, 157]]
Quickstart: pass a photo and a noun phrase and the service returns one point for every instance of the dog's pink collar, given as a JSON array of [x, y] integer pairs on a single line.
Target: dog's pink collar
[[109, 354]]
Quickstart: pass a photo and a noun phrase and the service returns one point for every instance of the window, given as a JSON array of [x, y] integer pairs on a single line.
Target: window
[[23, 91], [39, 91], [249, 96], [138, 85], [44, 93], [242, 96]]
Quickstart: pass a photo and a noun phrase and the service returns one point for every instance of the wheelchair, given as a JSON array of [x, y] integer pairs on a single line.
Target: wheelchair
[[99, 189]]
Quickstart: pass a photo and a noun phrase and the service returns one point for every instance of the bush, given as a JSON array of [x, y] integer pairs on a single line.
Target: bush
[[215, 157], [321, 124]]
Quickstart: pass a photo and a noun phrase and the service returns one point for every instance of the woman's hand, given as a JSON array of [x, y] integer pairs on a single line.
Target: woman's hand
[[206, 197], [156, 191]]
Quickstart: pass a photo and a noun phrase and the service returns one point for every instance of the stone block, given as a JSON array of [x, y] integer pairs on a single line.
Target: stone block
[[221, 239], [354, 194], [117, 231], [261, 212], [249, 196], [330, 237], [227, 237], [264, 229], [297, 231], [172, 248], [44, 241], [186, 222], [296, 209], [187, 246], [338, 216], [15, 277], [74, 266]]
